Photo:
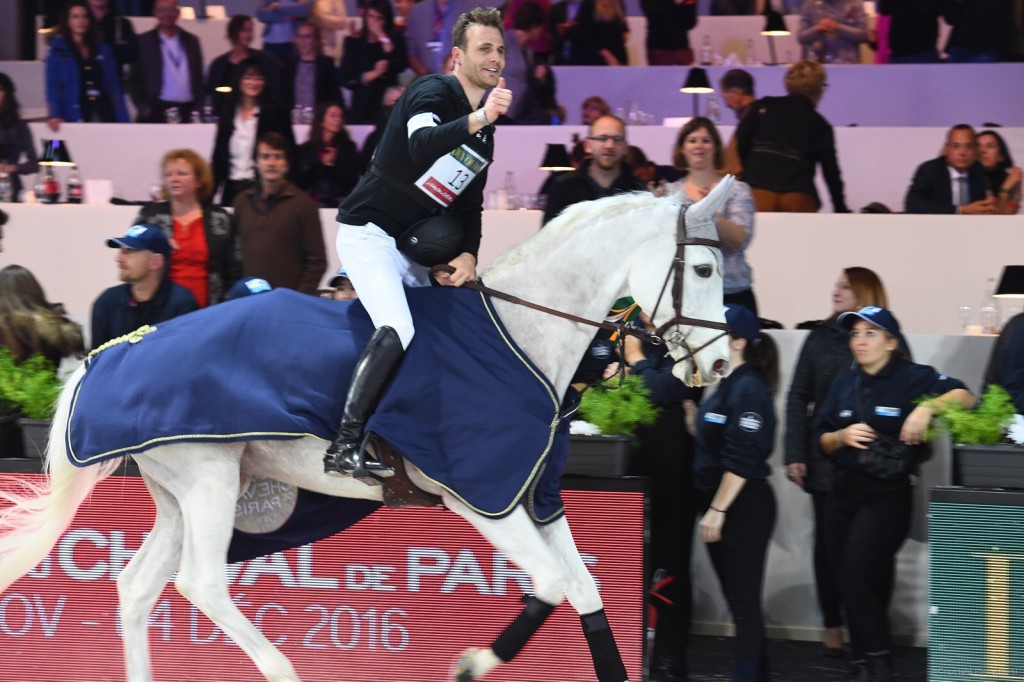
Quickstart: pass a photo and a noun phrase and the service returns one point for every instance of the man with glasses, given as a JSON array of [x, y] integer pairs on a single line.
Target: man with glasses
[[954, 182], [603, 173]]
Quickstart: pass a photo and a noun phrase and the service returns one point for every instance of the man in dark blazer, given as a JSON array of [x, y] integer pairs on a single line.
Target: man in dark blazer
[[324, 81], [169, 72], [953, 183]]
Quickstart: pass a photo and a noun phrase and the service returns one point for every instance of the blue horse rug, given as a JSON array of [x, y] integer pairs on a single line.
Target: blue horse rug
[[466, 405]]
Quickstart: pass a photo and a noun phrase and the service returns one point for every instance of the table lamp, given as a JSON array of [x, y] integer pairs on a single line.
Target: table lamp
[[556, 158], [697, 84], [774, 25]]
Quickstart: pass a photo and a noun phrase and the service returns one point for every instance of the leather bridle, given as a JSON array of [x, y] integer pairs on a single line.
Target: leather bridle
[[678, 269], [678, 320]]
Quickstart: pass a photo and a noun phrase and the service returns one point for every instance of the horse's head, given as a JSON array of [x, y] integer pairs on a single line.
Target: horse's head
[[687, 288]]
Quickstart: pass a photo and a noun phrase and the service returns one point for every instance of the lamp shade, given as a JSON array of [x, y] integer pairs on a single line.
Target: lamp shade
[[774, 24], [697, 82], [55, 153], [556, 158], [1011, 284]]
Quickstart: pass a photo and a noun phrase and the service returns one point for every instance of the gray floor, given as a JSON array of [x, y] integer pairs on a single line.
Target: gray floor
[[711, 660]]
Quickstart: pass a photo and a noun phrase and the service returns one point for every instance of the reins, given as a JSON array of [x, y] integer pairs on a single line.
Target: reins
[[619, 327], [657, 337]]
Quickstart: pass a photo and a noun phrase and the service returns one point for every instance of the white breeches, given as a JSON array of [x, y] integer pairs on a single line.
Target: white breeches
[[379, 271]]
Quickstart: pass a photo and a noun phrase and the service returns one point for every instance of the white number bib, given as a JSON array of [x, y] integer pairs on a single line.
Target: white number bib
[[451, 174]]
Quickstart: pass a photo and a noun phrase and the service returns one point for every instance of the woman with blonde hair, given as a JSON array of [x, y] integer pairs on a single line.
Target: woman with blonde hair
[[31, 324], [783, 140], [825, 355], [600, 35], [205, 256]]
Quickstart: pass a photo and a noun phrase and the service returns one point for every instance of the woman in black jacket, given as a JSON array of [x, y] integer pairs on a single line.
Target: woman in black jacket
[[885, 400], [372, 60], [206, 256], [824, 356], [250, 112], [329, 160], [781, 142]]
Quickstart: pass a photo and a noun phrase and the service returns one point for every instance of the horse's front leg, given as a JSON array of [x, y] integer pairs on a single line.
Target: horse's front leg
[[140, 583], [518, 538], [583, 594]]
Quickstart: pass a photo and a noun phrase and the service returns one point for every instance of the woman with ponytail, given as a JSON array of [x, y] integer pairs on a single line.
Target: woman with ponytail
[[735, 430]]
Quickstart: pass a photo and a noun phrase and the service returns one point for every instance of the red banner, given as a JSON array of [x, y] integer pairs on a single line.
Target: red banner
[[396, 597]]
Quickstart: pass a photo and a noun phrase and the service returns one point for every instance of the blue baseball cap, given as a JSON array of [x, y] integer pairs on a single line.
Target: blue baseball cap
[[336, 280], [143, 238], [247, 286], [742, 322], [875, 316]]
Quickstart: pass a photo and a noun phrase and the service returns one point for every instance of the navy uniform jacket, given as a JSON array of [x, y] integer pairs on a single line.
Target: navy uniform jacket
[[886, 398], [735, 430], [395, 205], [115, 313]]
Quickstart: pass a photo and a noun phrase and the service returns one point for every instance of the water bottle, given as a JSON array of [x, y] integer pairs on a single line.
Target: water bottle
[[6, 187], [50, 186], [208, 116], [509, 191], [714, 113], [705, 51], [751, 59], [988, 314], [74, 186]]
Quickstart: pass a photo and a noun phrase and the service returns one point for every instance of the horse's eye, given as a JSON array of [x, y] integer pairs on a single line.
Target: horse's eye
[[704, 270]]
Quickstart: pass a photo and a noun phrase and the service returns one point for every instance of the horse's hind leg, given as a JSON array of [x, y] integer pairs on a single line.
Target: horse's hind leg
[[207, 490], [143, 579], [584, 596], [516, 536]]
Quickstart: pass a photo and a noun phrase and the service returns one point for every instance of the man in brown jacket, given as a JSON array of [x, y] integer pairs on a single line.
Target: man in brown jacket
[[279, 225]]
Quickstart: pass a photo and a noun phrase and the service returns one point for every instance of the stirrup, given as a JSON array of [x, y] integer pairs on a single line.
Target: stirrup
[[349, 461]]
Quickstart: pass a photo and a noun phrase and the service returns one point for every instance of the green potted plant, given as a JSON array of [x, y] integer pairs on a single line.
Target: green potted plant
[[28, 391], [603, 437], [987, 451]]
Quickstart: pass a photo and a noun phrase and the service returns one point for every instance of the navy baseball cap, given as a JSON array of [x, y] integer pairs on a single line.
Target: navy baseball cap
[[875, 316], [247, 286], [143, 238], [336, 280], [742, 322]]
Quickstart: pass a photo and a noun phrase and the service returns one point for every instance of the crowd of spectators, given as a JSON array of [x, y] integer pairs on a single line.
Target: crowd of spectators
[[187, 251]]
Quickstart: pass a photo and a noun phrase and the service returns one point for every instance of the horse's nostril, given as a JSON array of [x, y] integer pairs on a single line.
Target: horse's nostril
[[720, 367]]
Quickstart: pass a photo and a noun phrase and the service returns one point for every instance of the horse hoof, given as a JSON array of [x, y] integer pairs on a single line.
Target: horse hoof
[[465, 670]]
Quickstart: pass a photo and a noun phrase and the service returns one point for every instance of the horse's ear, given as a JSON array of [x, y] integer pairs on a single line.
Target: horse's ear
[[713, 202]]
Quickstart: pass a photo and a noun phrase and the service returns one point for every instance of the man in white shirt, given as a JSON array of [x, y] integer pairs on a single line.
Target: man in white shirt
[[169, 73]]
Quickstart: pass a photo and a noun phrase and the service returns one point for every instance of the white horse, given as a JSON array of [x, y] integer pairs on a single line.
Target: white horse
[[592, 254]]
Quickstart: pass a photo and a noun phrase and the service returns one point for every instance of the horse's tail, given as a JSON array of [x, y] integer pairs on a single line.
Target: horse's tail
[[33, 518]]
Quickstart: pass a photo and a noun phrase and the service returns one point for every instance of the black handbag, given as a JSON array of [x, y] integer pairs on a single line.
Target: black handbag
[[886, 456]]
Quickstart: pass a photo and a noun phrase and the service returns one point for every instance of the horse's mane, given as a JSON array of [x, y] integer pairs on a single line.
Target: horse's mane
[[580, 216]]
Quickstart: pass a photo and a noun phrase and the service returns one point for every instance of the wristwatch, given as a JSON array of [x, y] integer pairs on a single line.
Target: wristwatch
[[481, 116]]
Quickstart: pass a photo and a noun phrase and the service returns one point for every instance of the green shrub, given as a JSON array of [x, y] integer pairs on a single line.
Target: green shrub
[[618, 410], [30, 388], [986, 424]]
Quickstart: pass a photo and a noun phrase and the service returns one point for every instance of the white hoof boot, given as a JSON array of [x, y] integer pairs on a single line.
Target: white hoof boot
[[473, 664]]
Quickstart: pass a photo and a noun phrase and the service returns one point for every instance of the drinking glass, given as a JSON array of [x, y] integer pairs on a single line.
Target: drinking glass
[[966, 316]]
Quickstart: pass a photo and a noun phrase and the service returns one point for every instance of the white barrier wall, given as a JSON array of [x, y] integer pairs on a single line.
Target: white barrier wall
[[877, 163]]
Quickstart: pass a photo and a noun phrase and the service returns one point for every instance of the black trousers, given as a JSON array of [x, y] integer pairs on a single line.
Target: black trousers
[[738, 559], [868, 519], [825, 579], [666, 458]]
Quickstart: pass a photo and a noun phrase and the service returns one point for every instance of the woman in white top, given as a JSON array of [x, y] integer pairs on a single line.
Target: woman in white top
[[250, 112]]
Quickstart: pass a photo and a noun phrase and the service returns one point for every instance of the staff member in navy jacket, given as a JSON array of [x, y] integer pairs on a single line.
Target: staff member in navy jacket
[[735, 431], [868, 516]]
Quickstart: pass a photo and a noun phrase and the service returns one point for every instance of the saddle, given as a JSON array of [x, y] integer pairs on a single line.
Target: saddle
[[399, 491]]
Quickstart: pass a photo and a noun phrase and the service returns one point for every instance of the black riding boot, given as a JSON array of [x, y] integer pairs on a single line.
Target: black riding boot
[[372, 373]]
